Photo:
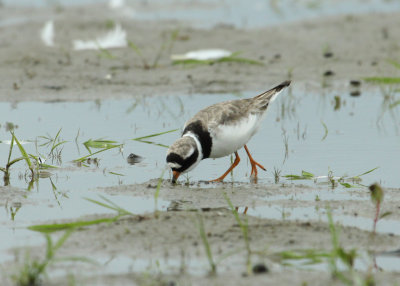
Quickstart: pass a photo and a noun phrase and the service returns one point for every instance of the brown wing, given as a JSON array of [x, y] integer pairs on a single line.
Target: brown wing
[[228, 112]]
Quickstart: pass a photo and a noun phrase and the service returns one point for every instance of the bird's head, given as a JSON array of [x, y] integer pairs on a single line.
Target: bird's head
[[183, 156]]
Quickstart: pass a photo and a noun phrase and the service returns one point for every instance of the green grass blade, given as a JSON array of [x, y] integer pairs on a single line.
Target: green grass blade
[[234, 212], [240, 60], [394, 63], [100, 143], [105, 53], [304, 176], [326, 131], [154, 135], [53, 186], [157, 193], [394, 104], [229, 254], [385, 215], [347, 185], [76, 259], [62, 239], [89, 155], [23, 152], [383, 80], [56, 145], [243, 225], [10, 151], [153, 143], [333, 230], [367, 172], [307, 174], [49, 247], [15, 161], [116, 174], [293, 177], [55, 140], [134, 48], [192, 62], [47, 166], [203, 235], [117, 207], [111, 205], [232, 58], [48, 228]]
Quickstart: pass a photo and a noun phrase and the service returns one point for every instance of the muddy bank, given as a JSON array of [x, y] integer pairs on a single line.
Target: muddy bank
[[359, 47], [168, 247], [353, 201]]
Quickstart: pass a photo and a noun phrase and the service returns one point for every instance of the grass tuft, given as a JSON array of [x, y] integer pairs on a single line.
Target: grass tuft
[[383, 80], [203, 235], [244, 226], [142, 139], [304, 176], [33, 271], [232, 58], [47, 228]]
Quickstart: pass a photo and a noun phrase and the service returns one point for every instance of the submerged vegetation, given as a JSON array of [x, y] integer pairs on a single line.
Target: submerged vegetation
[[35, 163], [234, 57], [331, 179], [33, 270]]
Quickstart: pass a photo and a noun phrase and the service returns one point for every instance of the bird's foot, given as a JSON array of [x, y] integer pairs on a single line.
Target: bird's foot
[[219, 180], [254, 165]]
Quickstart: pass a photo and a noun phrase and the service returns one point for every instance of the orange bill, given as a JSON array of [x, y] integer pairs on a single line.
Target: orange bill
[[175, 175]]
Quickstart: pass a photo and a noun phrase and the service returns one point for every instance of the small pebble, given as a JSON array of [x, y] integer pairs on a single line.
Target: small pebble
[[355, 83], [260, 268], [134, 159], [329, 73]]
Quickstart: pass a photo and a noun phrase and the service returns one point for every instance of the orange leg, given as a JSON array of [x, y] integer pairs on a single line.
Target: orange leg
[[253, 163], [245, 210], [235, 163]]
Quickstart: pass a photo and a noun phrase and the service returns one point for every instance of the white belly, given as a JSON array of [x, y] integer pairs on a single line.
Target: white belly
[[229, 138]]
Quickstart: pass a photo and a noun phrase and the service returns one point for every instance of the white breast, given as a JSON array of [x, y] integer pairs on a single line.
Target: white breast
[[227, 139]]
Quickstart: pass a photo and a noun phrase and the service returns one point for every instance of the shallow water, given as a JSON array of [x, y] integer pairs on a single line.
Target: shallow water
[[362, 134], [13, 232], [319, 214], [244, 14]]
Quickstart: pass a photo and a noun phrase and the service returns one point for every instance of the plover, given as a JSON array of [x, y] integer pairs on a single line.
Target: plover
[[220, 130]]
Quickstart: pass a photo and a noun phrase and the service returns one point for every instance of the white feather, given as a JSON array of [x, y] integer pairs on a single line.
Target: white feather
[[274, 96], [174, 165], [191, 151], [230, 138], [8, 142], [199, 149], [116, 4], [113, 39], [203, 55], [47, 34]]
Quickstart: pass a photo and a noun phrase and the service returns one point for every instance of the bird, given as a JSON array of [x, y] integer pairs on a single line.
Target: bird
[[220, 130]]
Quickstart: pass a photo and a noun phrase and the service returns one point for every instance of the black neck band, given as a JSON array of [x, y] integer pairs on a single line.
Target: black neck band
[[203, 135]]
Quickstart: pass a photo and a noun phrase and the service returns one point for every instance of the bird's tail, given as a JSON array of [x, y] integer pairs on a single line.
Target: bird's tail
[[273, 91], [264, 99]]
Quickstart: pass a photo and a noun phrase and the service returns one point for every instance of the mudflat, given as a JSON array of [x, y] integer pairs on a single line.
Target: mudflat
[[166, 247]]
